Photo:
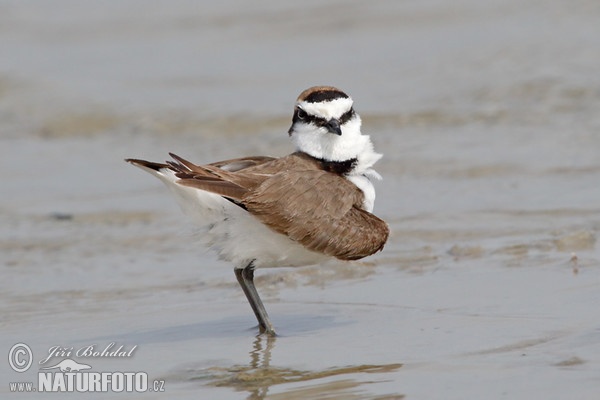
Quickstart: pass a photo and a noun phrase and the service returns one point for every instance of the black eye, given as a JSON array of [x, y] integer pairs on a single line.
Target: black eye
[[301, 114]]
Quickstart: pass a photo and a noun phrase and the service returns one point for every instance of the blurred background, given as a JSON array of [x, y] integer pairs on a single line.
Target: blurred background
[[488, 115]]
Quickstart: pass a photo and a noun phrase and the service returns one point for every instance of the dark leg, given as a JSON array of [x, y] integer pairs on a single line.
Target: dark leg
[[245, 277]]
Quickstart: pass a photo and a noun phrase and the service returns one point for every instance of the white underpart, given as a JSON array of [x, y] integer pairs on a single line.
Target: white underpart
[[320, 143], [364, 184], [232, 232]]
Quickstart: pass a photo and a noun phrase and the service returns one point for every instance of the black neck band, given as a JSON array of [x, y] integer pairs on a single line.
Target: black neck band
[[338, 167]]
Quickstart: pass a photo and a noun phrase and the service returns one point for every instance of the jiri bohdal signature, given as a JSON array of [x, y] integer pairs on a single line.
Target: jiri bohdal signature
[[91, 351]]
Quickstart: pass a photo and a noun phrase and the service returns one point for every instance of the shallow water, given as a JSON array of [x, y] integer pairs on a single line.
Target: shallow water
[[488, 115]]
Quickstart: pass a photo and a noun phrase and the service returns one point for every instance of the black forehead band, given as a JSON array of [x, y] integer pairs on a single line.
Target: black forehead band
[[325, 95]]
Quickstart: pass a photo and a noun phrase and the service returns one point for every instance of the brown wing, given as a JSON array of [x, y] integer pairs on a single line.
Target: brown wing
[[234, 178], [221, 177], [320, 210], [293, 196]]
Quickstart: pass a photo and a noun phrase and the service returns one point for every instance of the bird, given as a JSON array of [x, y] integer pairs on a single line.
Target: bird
[[304, 208]]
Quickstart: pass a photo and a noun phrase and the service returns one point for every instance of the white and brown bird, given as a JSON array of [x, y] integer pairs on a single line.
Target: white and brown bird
[[301, 209]]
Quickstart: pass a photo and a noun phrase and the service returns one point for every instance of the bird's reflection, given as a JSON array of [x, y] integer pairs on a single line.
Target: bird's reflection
[[260, 360], [259, 375], [260, 356]]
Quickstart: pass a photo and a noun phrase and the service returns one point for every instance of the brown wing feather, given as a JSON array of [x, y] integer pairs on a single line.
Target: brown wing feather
[[237, 164], [213, 179], [222, 188], [320, 210], [232, 165], [186, 170], [148, 164]]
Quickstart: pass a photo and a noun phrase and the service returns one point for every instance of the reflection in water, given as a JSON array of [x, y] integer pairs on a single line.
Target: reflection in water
[[259, 376]]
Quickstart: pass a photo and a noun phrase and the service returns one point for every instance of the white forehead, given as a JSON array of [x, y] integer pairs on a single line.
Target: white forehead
[[327, 109]]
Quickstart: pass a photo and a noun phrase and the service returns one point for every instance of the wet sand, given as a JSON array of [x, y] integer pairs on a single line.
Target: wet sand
[[488, 118]]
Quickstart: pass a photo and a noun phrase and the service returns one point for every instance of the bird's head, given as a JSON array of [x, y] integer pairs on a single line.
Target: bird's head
[[325, 126]]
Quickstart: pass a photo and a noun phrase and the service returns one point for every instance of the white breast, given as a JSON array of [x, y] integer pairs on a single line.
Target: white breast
[[365, 185]]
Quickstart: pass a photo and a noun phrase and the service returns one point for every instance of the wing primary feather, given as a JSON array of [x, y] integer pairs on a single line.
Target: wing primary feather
[[222, 188], [148, 164], [182, 161]]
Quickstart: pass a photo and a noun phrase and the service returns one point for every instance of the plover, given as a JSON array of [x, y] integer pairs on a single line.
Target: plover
[[301, 209]]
